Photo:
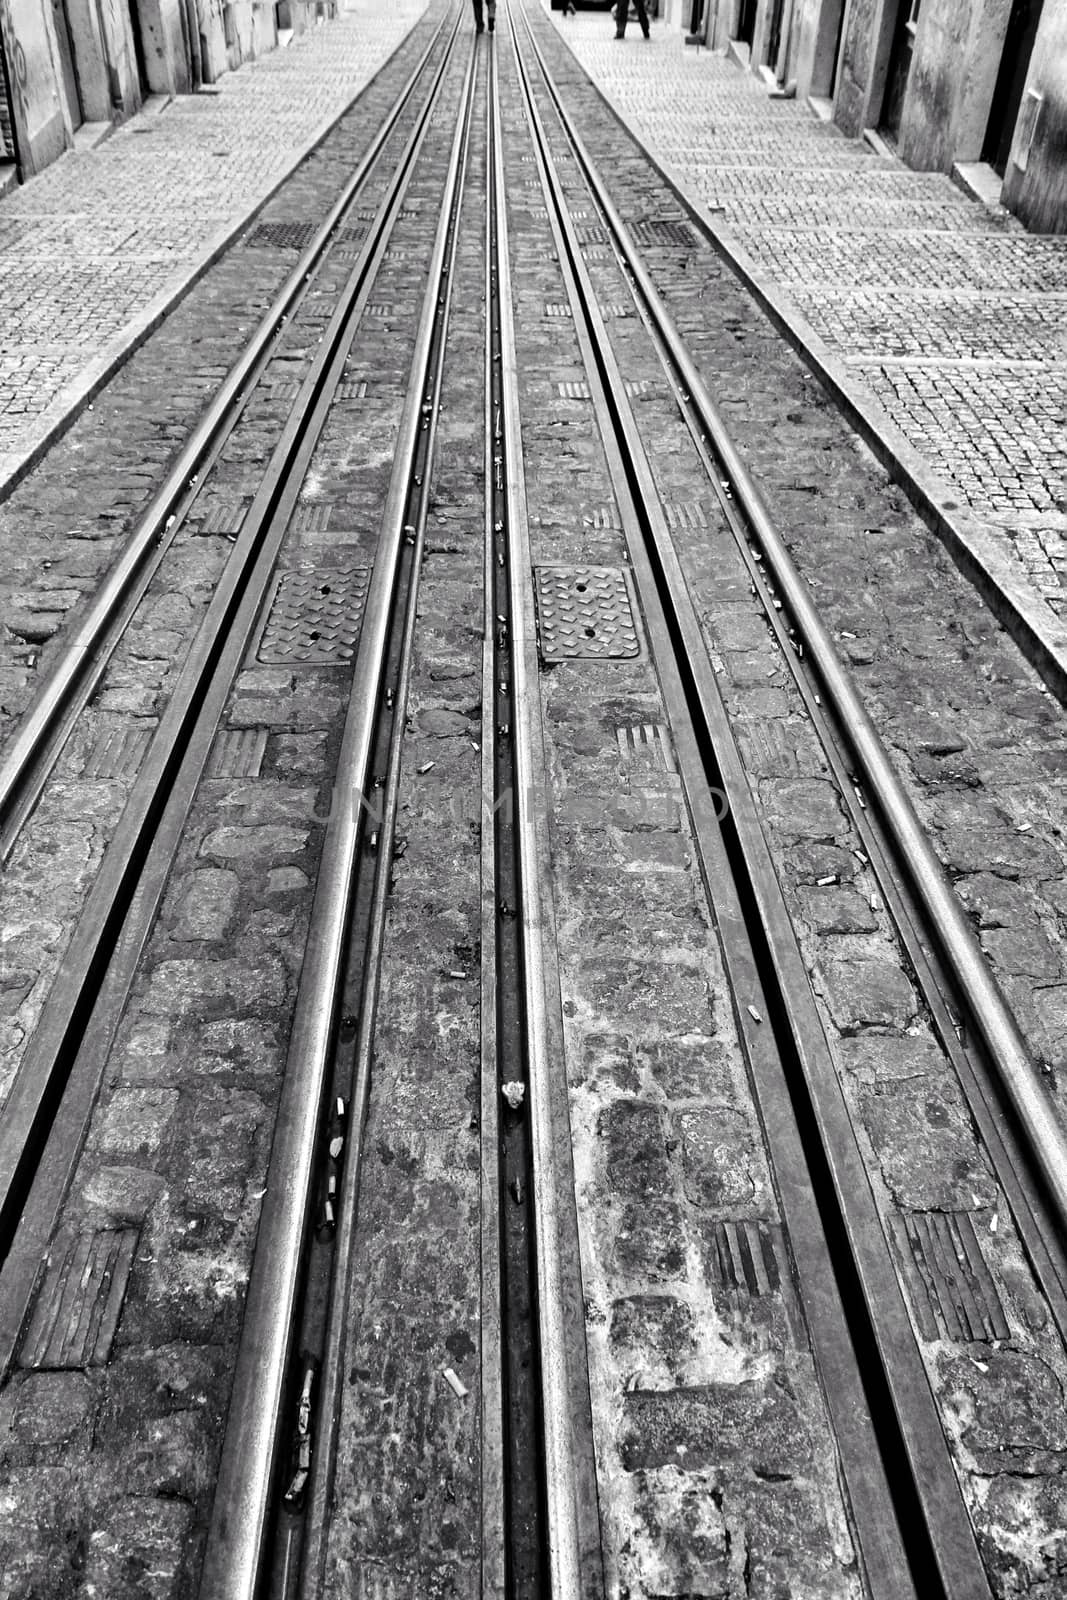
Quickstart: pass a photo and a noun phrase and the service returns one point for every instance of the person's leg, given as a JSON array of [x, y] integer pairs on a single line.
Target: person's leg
[[479, 25], [491, 15], [642, 16], [619, 13]]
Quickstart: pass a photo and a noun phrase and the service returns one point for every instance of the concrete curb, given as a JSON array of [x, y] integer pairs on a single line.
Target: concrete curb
[[72, 400], [967, 540]]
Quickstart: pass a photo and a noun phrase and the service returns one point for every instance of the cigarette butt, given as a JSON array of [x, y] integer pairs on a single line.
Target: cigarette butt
[[754, 1014], [458, 1388], [425, 767]]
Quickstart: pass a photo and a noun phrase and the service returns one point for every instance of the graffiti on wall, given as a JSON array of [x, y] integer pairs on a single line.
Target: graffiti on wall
[[12, 82]]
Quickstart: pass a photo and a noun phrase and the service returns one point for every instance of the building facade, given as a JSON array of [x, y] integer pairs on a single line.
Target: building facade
[[979, 85], [64, 63]]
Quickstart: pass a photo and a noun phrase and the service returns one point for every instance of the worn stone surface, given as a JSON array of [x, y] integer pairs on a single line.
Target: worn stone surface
[[406, 1506], [717, 1474], [666, 1140], [943, 685], [107, 1478]]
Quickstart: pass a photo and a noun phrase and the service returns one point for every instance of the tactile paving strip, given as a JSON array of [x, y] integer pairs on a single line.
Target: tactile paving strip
[[315, 616], [585, 613]]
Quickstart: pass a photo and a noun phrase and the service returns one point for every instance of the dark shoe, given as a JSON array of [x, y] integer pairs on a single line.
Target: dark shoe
[[479, 27], [492, 24], [620, 36], [647, 37]]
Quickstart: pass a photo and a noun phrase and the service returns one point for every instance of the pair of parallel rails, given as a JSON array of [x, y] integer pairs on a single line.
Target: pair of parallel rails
[[271, 1511]]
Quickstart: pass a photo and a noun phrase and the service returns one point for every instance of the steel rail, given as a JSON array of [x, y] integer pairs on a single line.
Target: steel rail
[[946, 1529], [563, 1531], [426, 382], [233, 1560], [962, 953], [1026, 1201], [494, 1562], [160, 523], [57, 1078]]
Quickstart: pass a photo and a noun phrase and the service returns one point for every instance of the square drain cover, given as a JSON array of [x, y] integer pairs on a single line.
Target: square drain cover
[[315, 616], [662, 231], [281, 236], [585, 612]]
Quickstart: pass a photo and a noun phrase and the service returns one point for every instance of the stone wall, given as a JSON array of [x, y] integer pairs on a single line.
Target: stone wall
[[950, 86], [42, 128], [1035, 183]]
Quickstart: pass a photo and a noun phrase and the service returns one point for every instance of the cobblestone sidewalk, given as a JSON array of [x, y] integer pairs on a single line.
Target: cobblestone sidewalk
[[942, 320], [95, 250]]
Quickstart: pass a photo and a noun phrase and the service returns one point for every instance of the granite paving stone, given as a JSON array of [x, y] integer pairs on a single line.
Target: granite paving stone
[[939, 311], [101, 242]]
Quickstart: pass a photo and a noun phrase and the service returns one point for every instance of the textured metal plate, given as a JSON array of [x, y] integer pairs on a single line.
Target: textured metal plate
[[649, 744], [313, 518], [662, 231], [281, 236], [749, 1262], [220, 516], [949, 1284], [315, 616], [237, 753], [77, 1308], [689, 514], [118, 752], [585, 613]]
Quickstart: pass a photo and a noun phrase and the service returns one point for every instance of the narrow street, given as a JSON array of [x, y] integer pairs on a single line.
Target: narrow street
[[532, 753]]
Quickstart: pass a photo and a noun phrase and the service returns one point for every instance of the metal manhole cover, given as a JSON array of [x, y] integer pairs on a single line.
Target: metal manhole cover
[[585, 612], [661, 230], [315, 617], [281, 236]]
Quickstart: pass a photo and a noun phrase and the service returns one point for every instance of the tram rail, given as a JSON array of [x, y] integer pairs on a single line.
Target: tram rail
[[277, 1484], [888, 1366], [30, 754], [51, 1095]]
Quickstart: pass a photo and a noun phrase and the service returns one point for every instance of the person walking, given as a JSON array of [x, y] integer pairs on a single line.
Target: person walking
[[622, 10], [479, 25]]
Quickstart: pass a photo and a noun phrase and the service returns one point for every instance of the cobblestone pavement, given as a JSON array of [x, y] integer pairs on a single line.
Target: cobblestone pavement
[[106, 1468], [95, 250], [942, 316]]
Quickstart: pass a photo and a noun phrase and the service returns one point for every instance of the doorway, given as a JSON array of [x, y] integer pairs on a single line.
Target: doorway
[[774, 36], [746, 21], [896, 83], [138, 47], [1011, 81], [66, 62]]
